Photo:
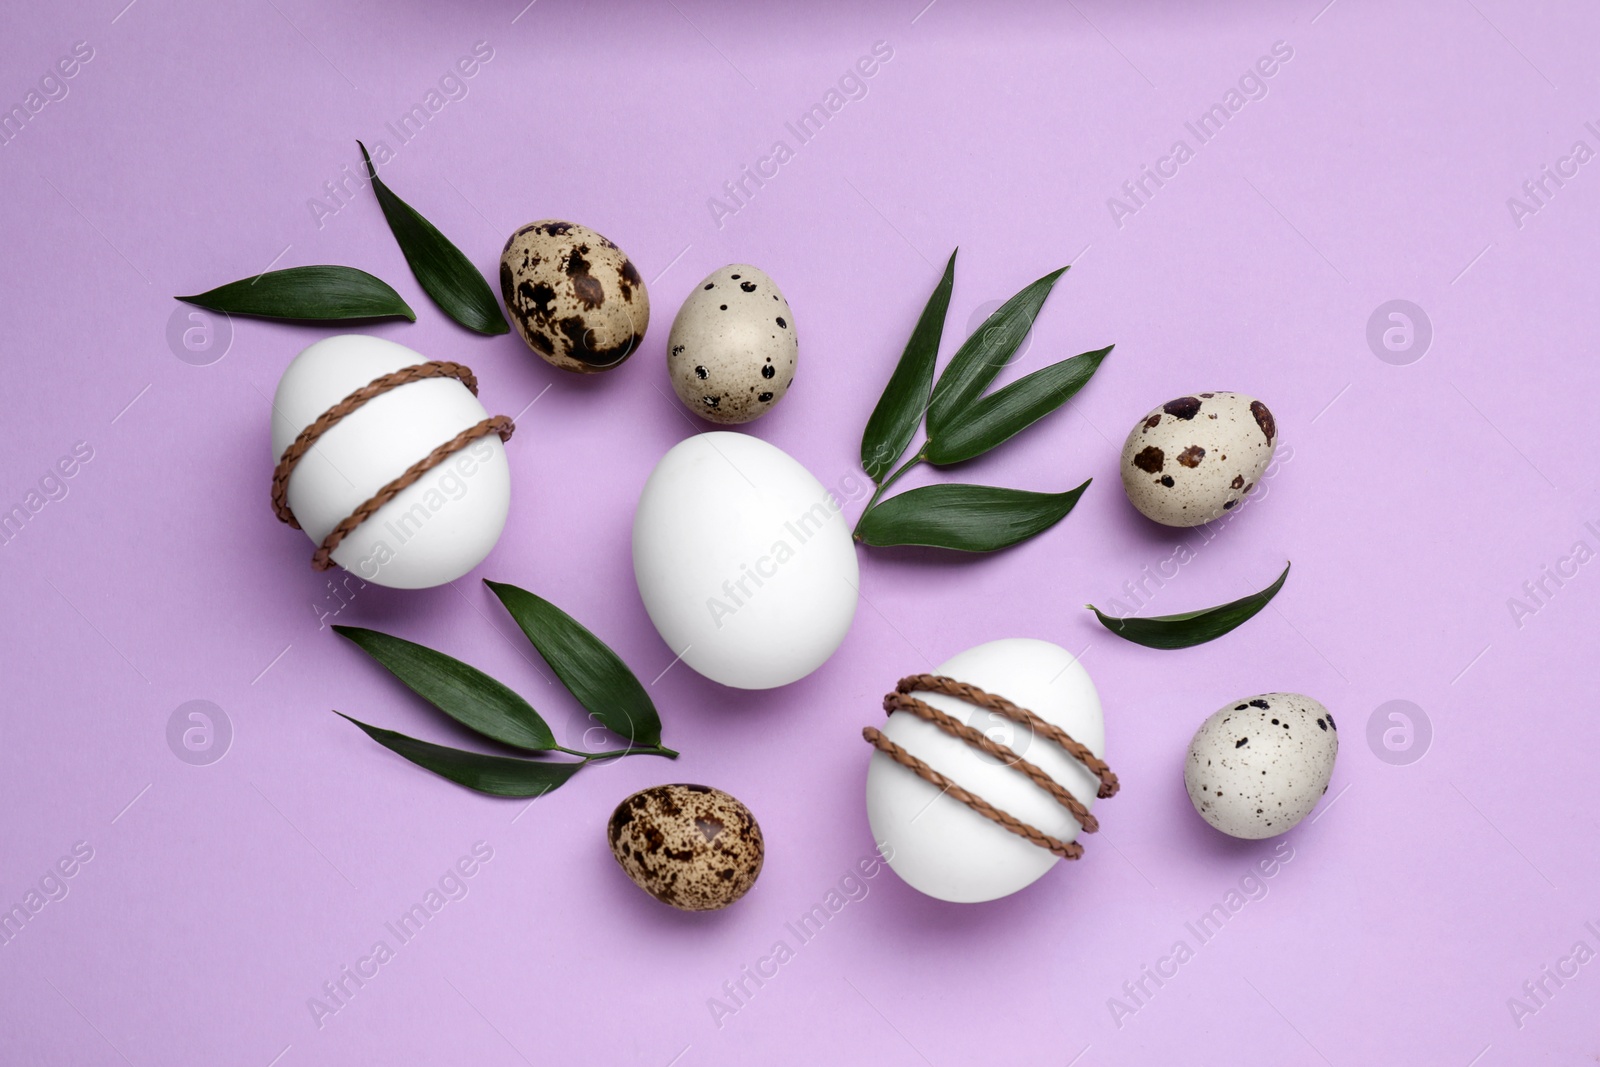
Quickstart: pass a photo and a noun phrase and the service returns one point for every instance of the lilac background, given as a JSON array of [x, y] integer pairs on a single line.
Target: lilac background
[[1418, 499]]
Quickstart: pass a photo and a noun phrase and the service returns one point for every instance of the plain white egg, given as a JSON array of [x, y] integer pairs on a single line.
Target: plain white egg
[[744, 561], [436, 529], [936, 843]]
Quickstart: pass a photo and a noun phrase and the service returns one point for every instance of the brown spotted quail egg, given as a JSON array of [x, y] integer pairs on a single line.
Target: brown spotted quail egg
[[731, 354], [1259, 765], [1193, 458], [690, 846], [574, 296]]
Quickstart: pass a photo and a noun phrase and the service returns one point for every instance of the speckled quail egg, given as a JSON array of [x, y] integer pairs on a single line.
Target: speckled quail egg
[[1194, 458], [574, 296], [1259, 765], [732, 350], [690, 846]]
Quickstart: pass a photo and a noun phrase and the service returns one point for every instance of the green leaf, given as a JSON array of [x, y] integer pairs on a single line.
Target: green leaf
[[1007, 412], [442, 270], [1191, 627], [982, 355], [307, 294], [599, 679], [500, 776], [967, 518], [905, 398], [462, 692]]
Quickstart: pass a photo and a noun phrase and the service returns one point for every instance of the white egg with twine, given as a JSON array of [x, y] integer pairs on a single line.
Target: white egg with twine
[[986, 770], [388, 462]]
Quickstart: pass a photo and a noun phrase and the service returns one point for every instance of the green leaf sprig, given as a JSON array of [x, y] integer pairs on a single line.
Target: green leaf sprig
[[1191, 627], [593, 673], [441, 268], [321, 293], [962, 422]]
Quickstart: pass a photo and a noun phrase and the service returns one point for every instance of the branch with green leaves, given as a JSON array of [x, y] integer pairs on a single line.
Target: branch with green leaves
[[962, 422], [593, 673]]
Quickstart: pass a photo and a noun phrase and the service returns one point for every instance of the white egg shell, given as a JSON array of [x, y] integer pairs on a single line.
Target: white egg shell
[[436, 529], [1259, 765], [1194, 458], [940, 846], [732, 351], [744, 561]]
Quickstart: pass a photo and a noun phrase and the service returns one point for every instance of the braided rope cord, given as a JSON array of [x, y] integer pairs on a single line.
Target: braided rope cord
[[500, 424], [902, 700], [330, 418], [977, 739], [938, 683], [1067, 851], [322, 559]]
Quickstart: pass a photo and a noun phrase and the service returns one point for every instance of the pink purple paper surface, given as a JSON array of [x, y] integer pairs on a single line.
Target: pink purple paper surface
[[1435, 491]]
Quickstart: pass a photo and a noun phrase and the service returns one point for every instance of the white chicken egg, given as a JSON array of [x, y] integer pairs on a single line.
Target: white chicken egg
[[938, 844], [436, 529], [744, 561]]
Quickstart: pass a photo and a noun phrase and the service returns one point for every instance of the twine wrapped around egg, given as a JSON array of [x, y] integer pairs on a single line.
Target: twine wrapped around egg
[[322, 559], [902, 700]]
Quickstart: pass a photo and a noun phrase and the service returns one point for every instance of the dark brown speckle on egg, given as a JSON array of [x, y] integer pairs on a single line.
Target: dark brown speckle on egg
[[1185, 407], [1264, 419]]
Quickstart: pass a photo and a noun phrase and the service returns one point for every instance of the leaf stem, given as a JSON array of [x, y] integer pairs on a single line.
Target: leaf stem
[[651, 750], [885, 484]]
